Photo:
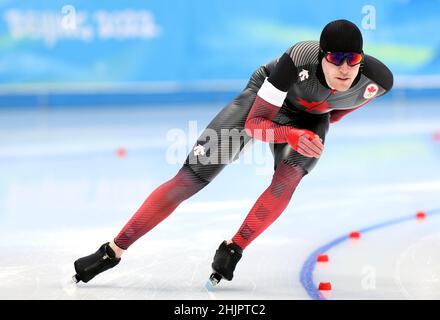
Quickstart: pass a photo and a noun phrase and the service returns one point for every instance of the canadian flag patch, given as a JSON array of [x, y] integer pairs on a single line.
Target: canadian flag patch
[[371, 90]]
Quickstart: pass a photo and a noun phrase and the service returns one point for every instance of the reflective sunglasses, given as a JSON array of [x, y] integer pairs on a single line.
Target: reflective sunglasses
[[337, 58]]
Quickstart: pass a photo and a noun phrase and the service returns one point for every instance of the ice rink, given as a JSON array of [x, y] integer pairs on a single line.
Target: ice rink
[[65, 189]]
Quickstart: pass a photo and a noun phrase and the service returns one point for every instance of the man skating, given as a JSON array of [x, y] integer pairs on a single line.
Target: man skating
[[290, 103]]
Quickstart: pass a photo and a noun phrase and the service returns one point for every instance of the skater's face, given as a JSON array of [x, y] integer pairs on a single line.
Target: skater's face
[[339, 77]]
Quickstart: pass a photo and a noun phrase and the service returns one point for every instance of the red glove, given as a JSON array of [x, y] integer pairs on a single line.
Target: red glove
[[305, 142]]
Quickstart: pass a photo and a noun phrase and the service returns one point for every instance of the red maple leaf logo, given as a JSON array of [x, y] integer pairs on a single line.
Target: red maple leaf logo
[[320, 106], [372, 89]]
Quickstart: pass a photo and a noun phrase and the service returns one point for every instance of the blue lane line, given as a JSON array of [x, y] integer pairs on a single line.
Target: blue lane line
[[306, 275]]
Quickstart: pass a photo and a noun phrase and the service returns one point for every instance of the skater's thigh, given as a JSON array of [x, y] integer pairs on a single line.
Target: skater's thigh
[[225, 137]]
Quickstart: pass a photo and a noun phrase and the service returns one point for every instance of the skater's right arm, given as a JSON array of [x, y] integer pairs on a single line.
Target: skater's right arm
[[270, 98]]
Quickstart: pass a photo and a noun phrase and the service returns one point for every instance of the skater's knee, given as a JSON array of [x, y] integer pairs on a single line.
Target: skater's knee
[[286, 170], [190, 177], [286, 178], [308, 167], [294, 159], [202, 173]]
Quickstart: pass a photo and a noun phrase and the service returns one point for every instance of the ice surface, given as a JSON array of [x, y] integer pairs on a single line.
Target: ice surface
[[63, 192]]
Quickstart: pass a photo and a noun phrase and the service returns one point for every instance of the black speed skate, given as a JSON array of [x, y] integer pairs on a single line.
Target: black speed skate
[[90, 266], [225, 259]]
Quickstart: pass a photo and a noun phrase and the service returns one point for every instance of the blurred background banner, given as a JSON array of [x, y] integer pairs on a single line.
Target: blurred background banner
[[54, 52]]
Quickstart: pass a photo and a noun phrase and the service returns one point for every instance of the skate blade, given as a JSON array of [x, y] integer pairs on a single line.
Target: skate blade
[[212, 282], [75, 279], [214, 279], [209, 285], [69, 286]]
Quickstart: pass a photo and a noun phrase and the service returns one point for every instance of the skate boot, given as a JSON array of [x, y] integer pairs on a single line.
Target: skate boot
[[225, 259], [90, 266]]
